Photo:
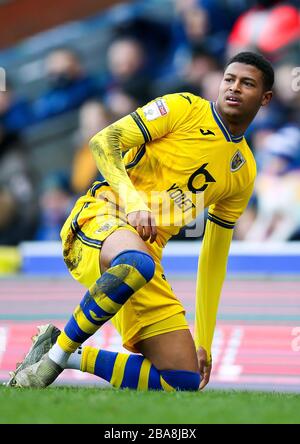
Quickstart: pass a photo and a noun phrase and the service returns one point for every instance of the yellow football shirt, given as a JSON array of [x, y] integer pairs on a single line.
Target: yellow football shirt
[[181, 159]]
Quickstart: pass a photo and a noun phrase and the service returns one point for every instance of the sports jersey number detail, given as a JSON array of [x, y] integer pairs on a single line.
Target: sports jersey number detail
[[200, 171]]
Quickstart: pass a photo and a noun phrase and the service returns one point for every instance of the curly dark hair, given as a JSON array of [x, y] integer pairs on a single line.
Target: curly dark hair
[[260, 62]]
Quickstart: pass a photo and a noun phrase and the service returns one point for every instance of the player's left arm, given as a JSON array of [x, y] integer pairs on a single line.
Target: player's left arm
[[211, 273]]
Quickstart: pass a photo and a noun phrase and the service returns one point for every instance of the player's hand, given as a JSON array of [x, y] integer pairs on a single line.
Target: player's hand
[[204, 367], [144, 223]]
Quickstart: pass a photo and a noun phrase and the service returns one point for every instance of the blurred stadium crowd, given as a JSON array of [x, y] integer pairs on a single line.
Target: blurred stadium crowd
[[66, 84]]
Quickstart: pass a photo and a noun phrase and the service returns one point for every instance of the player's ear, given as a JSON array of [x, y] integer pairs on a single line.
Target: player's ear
[[267, 96]]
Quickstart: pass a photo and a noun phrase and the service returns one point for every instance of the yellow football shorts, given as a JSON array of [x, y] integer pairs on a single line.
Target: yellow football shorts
[[152, 310]]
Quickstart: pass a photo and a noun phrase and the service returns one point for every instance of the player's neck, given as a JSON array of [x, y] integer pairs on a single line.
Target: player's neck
[[235, 126]]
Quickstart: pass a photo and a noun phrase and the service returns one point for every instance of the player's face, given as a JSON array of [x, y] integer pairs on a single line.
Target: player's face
[[241, 92]]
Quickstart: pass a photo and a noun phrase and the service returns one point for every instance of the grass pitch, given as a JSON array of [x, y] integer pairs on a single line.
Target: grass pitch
[[81, 405]]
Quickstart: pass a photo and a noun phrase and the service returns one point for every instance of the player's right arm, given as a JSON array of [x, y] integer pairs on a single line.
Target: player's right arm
[[212, 270], [151, 122]]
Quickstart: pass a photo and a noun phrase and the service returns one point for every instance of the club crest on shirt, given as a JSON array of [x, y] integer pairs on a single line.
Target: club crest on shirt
[[155, 109], [237, 161]]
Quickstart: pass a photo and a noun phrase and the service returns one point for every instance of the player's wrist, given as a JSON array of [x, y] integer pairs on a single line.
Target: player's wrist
[[203, 349], [136, 206]]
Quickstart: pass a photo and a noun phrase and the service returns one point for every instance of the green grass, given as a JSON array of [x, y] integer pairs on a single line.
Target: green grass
[[70, 405]]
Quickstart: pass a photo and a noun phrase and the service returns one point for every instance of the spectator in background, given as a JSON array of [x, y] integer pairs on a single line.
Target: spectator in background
[[61, 188], [128, 84], [152, 32], [18, 215], [189, 31], [278, 189], [69, 85], [15, 111], [222, 14], [93, 117], [200, 23], [55, 200], [209, 82], [265, 124], [191, 75]]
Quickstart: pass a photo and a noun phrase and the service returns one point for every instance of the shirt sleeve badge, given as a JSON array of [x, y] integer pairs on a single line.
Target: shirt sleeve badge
[[155, 109]]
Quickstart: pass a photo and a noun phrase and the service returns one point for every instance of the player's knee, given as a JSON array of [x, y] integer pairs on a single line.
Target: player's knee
[[181, 380], [140, 260]]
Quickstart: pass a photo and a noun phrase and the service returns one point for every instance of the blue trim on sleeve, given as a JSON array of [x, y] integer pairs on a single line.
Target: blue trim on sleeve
[[219, 222], [142, 126], [137, 157]]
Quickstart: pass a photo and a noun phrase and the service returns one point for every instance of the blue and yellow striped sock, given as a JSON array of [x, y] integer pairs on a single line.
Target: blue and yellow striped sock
[[135, 372], [129, 272]]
